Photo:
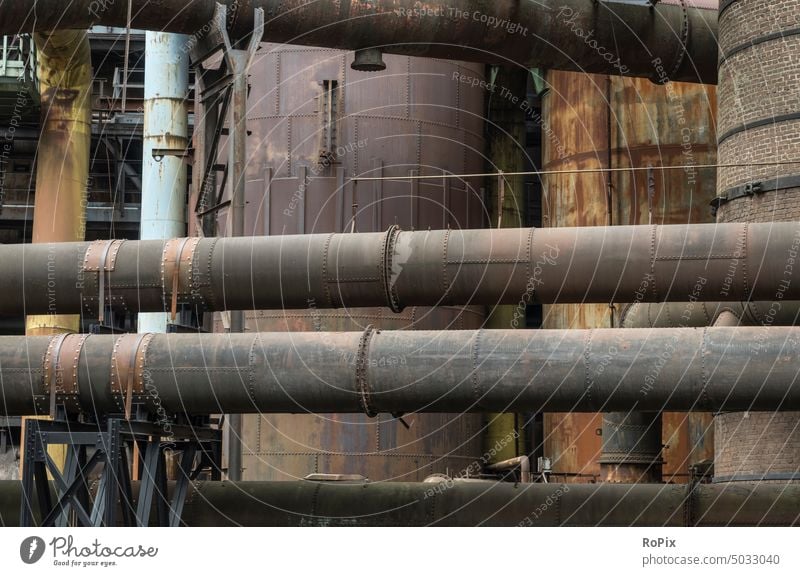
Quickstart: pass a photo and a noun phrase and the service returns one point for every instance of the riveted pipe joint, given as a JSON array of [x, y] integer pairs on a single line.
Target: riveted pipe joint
[[394, 372], [737, 262]]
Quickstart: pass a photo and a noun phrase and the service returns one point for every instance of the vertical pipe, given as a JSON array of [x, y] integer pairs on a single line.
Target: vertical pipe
[[238, 157], [631, 447], [64, 67], [166, 127], [62, 165], [506, 134]]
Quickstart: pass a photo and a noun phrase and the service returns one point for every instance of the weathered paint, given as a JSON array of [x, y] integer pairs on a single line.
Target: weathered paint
[[400, 269], [599, 122], [414, 116], [64, 69], [411, 372], [62, 165], [166, 127]]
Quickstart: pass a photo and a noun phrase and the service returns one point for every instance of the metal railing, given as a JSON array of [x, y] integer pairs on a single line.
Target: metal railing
[[18, 59]]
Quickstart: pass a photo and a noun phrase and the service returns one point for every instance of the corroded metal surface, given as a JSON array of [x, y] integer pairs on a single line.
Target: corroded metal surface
[[690, 263], [610, 122], [399, 372], [62, 158], [286, 447], [313, 124], [165, 128], [631, 450], [563, 34]]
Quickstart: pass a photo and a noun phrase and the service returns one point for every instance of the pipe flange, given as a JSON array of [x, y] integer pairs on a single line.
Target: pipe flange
[[387, 273], [445, 282], [210, 299], [325, 253], [251, 360], [362, 380]]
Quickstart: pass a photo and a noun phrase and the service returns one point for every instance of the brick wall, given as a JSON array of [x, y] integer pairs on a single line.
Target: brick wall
[[759, 82]]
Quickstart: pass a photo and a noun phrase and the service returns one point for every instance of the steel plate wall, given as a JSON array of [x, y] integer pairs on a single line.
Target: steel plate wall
[[414, 116], [595, 122]]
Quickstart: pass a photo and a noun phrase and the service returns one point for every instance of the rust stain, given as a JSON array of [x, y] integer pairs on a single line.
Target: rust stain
[[648, 124]]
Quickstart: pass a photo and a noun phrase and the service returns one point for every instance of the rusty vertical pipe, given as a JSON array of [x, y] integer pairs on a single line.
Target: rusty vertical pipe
[[631, 451], [506, 138], [62, 165]]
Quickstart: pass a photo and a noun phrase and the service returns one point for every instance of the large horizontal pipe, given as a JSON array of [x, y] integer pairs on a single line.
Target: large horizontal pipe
[[580, 35], [736, 262], [471, 503], [676, 369]]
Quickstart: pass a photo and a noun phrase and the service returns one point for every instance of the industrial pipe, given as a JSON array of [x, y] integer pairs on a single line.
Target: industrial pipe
[[64, 70], [660, 41], [678, 369], [631, 447], [62, 158], [165, 139], [471, 503], [676, 315], [395, 269], [521, 462]]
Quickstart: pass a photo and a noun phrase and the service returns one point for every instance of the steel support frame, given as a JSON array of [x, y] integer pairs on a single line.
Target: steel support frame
[[99, 451]]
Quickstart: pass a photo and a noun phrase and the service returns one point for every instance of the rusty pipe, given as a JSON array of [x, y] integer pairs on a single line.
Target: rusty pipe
[[631, 451], [672, 314], [396, 269], [673, 369], [521, 462], [62, 167], [661, 41], [313, 503]]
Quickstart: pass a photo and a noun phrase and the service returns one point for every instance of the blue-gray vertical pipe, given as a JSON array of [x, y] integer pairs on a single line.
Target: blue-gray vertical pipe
[[166, 87]]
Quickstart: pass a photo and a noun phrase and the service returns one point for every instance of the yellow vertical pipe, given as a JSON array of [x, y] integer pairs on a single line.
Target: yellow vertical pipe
[[62, 165], [62, 168]]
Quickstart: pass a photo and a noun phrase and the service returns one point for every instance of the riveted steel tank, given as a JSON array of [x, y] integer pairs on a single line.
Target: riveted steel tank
[[597, 122], [313, 124]]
